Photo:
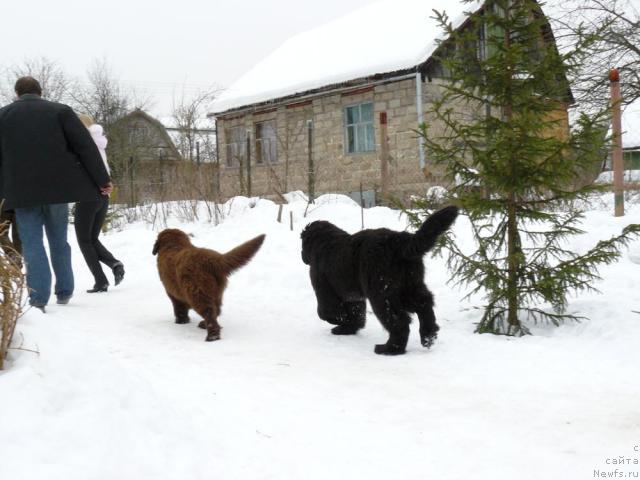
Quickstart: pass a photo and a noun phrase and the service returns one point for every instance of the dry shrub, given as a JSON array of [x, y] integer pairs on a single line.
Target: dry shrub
[[181, 190], [13, 283]]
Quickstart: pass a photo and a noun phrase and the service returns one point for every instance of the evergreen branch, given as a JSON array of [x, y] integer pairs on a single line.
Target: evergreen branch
[[539, 315], [605, 251]]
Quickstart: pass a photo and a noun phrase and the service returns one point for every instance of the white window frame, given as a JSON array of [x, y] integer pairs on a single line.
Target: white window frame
[[360, 145]]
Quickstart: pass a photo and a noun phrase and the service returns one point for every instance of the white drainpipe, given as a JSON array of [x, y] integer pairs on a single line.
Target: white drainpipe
[[420, 115]]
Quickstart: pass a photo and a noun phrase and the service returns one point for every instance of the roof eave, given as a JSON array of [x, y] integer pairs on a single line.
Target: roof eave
[[295, 97]]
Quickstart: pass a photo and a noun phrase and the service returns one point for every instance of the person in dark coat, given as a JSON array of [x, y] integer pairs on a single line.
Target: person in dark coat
[[47, 160], [88, 221]]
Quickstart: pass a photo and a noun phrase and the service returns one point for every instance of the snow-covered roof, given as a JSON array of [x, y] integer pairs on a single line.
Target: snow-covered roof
[[384, 37], [631, 126]]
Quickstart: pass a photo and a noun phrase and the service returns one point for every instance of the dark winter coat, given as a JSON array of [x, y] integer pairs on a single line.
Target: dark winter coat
[[47, 155]]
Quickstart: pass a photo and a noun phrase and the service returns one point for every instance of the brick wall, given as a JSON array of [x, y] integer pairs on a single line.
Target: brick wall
[[336, 170]]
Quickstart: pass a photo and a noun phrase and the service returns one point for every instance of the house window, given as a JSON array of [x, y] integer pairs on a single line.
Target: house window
[[482, 44], [632, 160], [359, 135], [138, 133], [236, 146], [266, 142]]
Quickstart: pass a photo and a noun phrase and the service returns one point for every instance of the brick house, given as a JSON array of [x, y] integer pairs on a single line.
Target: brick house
[[336, 109]]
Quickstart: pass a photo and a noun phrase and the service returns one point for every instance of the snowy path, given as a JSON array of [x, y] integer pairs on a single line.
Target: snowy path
[[120, 391]]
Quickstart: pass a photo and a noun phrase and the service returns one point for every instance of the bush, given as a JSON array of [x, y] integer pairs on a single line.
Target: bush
[[13, 283]]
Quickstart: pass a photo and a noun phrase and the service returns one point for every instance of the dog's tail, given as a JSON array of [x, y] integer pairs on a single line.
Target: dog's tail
[[427, 235], [240, 256]]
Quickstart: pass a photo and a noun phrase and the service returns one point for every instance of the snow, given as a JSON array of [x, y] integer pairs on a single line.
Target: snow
[[628, 176], [382, 37], [120, 391]]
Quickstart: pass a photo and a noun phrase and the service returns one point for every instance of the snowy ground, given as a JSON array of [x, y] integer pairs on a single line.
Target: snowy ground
[[118, 391]]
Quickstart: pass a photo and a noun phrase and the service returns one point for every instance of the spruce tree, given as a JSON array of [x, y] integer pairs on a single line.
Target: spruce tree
[[513, 163]]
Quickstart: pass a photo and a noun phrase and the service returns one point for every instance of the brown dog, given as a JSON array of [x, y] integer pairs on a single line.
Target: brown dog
[[196, 277]]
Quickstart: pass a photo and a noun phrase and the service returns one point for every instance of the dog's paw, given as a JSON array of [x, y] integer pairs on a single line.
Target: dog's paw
[[202, 324], [345, 330], [182, 320], [385, 349], [212, 337], [428, 340]]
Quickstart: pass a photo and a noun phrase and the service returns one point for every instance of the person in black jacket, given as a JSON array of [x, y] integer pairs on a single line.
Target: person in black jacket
[[47, 160], [88, 221]]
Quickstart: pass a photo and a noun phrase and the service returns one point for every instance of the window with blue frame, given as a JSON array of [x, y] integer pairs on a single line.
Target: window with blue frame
[[359, 133]]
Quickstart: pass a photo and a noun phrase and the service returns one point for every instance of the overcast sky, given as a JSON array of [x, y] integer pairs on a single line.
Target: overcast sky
[[159, 47]]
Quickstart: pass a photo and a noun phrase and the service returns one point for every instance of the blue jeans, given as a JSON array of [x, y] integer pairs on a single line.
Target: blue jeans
[[54, 219]]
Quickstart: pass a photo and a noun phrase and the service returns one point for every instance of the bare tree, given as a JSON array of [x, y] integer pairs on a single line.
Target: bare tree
[[612, 31], [195, 139], [55, 82], [293, 134], [103, 95]]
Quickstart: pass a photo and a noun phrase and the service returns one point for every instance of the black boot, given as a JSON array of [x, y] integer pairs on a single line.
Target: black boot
[[99, 288], [118, 273]]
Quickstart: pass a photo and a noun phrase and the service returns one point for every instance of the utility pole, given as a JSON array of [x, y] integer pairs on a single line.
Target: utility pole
[[616, 127], [384, 158], [248, 163], [312, 168]]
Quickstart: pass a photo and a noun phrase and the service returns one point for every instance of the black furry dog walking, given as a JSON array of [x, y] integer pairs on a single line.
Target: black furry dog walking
[[380, 265]]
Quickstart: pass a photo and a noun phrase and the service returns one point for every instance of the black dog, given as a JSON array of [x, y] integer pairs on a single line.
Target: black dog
[[380, 265]]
